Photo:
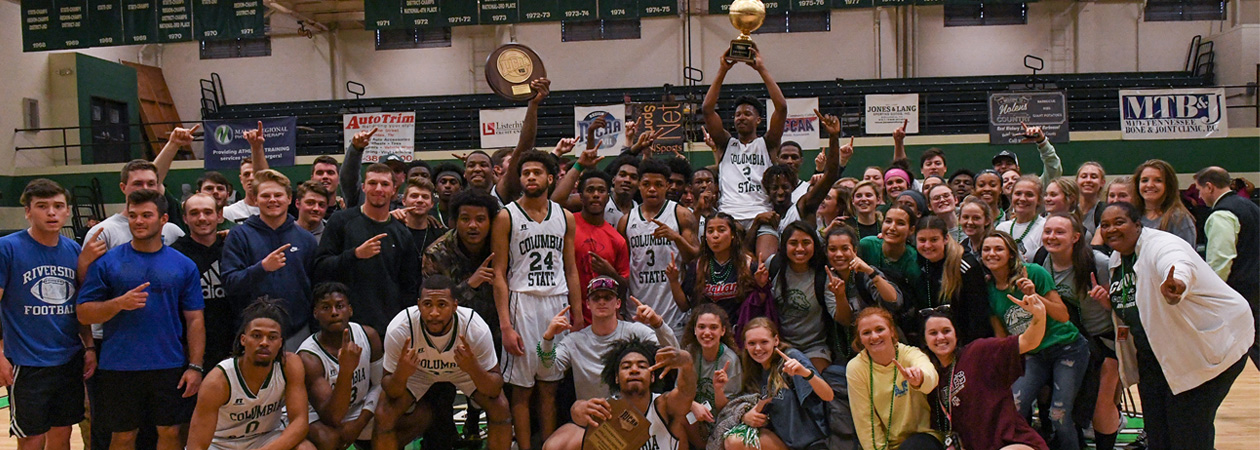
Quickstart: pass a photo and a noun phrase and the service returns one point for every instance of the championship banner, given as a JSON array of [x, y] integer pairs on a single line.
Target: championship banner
[[802, 123], [1173, 114], [656, 116], [395, 134], [614, 129], [501, 127], [887, 113], [1010, 111], [226, 145]]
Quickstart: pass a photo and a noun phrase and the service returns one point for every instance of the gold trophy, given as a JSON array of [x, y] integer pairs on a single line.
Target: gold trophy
[[747, 16]]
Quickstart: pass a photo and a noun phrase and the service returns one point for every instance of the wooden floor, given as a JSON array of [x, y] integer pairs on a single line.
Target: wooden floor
[[1237, 422]]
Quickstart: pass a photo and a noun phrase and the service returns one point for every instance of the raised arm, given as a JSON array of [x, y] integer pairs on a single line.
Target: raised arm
[[509, 185], [257, 139], [774, 130], [712, 121], [808, 205], [179, 138], [899, 141], [1031, 338], [677, 401], [348, 176]]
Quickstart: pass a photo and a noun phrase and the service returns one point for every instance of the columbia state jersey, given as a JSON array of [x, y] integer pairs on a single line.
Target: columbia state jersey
[[361, 380], [248, 415], [536, 262], [437, 353], [740, 184], [649, 256]]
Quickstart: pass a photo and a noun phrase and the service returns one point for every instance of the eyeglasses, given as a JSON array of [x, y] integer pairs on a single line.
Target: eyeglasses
[[940, 310]]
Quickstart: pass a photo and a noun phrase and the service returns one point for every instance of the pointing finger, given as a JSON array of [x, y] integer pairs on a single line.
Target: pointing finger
[[565, 311], [282, 248], [726, 366], [97, 234], [1093, 278], [378, 237], [636, 301], [1014, 300], [486, 263], [407, 345], [141, 287], [345, 336], [905, 123], [1170, 273], [463, 340], [194, 129], [781, 354], [260, 130], [373, 132]]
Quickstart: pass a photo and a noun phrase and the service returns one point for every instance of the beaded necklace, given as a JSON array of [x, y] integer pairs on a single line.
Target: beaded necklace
[[720, 271], [1019, 242], [870, 367]]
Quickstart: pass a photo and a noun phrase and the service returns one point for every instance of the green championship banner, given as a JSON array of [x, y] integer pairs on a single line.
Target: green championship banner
[[720, 6], [174, 21], [459, 12], [418, 14], [39, 33], [382, 14], [577, 10], [810, 5], [851, 4], [658, 8], [538, 10], [618, 9], [105, 22], [775, 6], [72, 23], [498, 11], [227, 19], [139, 21]]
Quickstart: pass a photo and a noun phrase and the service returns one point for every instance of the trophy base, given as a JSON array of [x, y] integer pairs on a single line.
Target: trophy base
[[741, 50]]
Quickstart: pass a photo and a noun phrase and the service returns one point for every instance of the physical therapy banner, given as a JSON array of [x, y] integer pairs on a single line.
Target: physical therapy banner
[[226, 145], [614, 126], [802, 123], [1173, 114], [501, 127], [71, 24], [395, 134], [1010, 111], [887, 113], [661, 116]]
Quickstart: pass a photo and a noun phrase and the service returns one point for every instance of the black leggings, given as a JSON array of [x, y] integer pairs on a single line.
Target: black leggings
[[922, 441]]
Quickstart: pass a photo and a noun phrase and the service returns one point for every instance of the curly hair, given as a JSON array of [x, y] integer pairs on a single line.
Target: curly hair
[[689, 341], [617, 351]]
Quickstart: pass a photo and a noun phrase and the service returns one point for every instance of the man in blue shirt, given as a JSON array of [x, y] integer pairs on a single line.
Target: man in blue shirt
[[139, 292], [42, 360]]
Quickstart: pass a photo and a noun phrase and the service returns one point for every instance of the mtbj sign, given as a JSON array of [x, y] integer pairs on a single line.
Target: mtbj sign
[[1173, 114]]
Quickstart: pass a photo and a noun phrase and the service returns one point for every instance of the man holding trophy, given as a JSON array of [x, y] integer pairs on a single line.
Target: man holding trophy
[[743, 158]]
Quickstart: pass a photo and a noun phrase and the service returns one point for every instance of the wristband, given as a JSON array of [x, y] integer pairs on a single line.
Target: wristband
[[810, 377], [196, 367], [578, 167]]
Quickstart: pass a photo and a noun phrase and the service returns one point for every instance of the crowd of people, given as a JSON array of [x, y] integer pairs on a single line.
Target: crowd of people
[[740, 305]]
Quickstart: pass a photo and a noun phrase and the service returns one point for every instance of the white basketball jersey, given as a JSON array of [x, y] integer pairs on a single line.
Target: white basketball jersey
[[437, 353], [649, 256], [659, 437], [248, 415], [741, 168], [361, 380], [536, 263]]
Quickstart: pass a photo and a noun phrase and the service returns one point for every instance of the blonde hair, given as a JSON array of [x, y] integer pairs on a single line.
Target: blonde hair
[[753, 370], [1015, 268], [1071, 191], [272, 176]]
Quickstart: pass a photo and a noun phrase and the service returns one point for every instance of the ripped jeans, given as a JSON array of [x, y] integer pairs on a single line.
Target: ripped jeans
[[1063, 365]]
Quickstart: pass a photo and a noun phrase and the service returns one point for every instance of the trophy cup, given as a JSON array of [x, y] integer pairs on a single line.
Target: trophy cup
[[746, 16], [511, 68]]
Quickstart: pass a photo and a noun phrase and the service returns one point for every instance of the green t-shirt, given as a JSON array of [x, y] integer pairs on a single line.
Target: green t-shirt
[[225, 225], [904, 272], [1016, 320]]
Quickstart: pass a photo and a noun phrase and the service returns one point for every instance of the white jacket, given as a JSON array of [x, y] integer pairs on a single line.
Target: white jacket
[[1205, 333]]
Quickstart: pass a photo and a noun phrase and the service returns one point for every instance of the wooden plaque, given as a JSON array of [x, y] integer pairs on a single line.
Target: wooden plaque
[[628, 429], [511, 68]]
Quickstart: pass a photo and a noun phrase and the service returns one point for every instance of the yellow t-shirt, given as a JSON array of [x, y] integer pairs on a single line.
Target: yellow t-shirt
[[911, 412]]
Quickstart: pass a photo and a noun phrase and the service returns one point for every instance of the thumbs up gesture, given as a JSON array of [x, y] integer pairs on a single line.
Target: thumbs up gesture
[[1172, 288]]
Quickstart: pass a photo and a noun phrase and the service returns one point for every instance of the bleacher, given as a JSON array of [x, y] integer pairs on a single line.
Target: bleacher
[[949, 105]]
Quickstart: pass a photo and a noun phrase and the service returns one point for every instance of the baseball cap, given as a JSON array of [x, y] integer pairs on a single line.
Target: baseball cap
[[394, 161], [1006, 154], [601, 283]]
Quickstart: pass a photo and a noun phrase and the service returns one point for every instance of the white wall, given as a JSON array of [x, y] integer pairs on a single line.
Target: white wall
[[1071, 36]]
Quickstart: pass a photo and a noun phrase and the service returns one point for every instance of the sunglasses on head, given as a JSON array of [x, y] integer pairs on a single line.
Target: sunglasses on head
[[939, 310]]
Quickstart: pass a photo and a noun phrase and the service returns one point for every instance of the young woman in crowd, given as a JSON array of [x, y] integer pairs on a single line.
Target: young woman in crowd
[[1063, 355], [943, 205], [896, 180], [1079, 273], [875, 175], [835, 208], [866, 219], [1159, 199], [1118, 190], [798, 274], [1062, 196], [976, 219], [1090, 179], [724, 270], [1009, 178], [953, 278], [711, 341], [1191, 330], [888, 385], [897, 259], [855, 284], [973, 398], [789, 412], [1026, 222], [989, 190], [915, 200]]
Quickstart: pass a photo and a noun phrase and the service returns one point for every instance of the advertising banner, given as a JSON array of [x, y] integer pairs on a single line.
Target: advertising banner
[[395, 134], [802, 123], [614, 128], [1173, 114], [226, 145], [886, 113], [1010, 111], [501, 127]]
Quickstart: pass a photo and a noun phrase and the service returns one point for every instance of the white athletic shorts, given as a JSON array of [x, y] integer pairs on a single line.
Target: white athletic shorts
[[530, 317]]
